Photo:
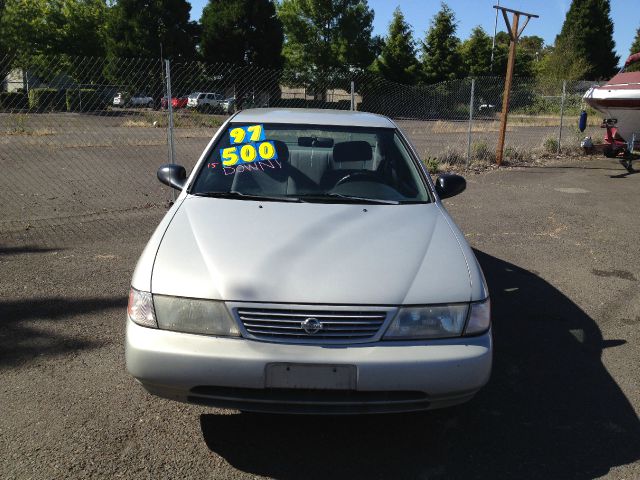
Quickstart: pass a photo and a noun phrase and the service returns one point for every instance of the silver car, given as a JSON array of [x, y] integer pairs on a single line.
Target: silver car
[[308, 266]]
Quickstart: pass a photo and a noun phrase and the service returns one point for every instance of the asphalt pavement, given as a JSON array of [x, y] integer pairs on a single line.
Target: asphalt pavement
[[559, 247]]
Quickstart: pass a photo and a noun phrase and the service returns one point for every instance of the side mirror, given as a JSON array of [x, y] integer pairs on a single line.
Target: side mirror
[[450, 184], [173, 175]]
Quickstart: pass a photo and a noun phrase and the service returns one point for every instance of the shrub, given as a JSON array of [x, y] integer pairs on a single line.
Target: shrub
[[84, 100], [13, 101], [516, 155], [452, 157], [483, 153], [432, 164], [550, 145], [46, 99], [19, 124]]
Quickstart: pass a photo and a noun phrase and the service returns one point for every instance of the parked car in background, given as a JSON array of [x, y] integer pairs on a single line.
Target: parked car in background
[[486, 108], [176, 102], [123, 99], [206, 101], [141, 100], [309, 266], [228, 105]]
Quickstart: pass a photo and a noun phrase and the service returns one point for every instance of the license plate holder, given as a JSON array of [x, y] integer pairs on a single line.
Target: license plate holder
[[311, 376]]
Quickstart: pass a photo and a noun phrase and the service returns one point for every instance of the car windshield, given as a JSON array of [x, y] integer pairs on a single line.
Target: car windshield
[[334, 164], [194, 95]]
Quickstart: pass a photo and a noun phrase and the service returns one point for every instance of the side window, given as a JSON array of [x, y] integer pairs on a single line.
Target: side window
[[210, 96]]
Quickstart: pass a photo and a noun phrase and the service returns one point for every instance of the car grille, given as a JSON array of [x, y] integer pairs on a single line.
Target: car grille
[[287, 325]]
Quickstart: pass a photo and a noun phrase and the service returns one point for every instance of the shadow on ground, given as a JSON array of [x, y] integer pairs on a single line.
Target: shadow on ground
[[551, 410], [24, 336], [25, 249]]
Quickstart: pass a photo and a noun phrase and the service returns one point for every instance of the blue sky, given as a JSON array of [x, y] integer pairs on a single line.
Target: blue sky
[[470, 13]]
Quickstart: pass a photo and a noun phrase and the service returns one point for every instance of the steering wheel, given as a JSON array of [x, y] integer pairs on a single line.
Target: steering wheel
[[359, 175]]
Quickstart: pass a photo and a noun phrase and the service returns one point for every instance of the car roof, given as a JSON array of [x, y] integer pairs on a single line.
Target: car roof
[[313, 117]]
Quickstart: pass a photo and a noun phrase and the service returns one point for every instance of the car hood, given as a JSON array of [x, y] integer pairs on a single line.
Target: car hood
[[240, 250]]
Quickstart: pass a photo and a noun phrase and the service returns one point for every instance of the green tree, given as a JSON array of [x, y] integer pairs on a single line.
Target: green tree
[[528, 53], [476, 53], [144, 28], [441, 59], [326, 40], [242, 31], [147, 29], [46, 37], [83, 30], [3, 46], [397, 61], [588, 30], [635, 48], [53, 27], [563, 62]]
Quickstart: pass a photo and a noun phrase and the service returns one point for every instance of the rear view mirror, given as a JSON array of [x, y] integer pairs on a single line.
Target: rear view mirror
[[173, 175], [450, 184], [319, 142]]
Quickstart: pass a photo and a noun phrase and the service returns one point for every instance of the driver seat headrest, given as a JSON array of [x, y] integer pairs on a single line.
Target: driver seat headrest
[[350, 154]]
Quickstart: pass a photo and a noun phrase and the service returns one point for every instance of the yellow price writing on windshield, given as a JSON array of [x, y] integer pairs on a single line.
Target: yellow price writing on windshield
[[250, 133], [248, 153]]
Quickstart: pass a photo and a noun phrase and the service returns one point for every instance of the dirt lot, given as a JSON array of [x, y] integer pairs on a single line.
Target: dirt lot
[[66, 169], [558, 246]]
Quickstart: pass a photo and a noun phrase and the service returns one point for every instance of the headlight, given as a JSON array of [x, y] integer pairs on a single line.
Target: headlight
[[479, 318], [140, 308], [190, 315], [428, 322]]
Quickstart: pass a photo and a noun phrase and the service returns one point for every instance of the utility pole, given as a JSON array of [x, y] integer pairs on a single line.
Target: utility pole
[[514, 35]]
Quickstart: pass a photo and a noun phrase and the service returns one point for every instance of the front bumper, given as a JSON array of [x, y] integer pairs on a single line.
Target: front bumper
[[230, 372]]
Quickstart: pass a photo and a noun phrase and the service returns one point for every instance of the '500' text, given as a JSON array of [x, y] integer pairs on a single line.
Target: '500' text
[[248, 153]]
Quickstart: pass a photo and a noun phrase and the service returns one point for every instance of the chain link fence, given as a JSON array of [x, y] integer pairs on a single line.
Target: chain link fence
[[81, 138]]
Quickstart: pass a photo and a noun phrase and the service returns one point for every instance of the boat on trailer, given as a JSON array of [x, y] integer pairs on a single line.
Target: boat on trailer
[[619, 101]]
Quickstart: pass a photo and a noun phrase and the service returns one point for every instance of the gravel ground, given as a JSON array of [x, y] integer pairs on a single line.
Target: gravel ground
[[559, 248], [64, 170]]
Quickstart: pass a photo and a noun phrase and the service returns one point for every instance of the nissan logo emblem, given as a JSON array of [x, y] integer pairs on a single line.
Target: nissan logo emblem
[[311, 325]]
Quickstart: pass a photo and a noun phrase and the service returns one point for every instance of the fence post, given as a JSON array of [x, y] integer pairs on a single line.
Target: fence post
[[353, 96], [473, 91], [172, 150], [564, 91]]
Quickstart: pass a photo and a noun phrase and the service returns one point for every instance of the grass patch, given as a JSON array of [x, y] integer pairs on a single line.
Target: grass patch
[[514, 122], [441, 126], [182, 119], [137, 124], [19, 127]]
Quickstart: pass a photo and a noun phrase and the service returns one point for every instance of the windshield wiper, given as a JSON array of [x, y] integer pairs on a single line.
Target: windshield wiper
[[332, 196], [247, 196]]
